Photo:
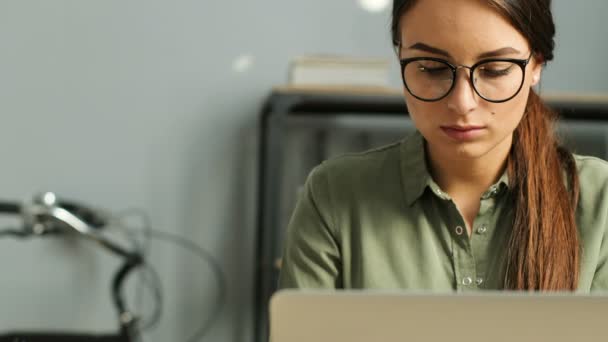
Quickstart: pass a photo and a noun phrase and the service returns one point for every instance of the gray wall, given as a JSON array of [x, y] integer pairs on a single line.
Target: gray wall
[[154, 104], [581, 48]]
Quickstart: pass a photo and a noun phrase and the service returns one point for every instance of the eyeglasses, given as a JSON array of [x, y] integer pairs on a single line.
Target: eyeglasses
[[494, 80]]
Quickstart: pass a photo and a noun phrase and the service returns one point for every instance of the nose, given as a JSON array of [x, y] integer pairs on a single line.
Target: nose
[[463, 98]]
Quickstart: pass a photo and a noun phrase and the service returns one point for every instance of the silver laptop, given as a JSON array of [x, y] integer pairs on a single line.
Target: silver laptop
[[363, 316]]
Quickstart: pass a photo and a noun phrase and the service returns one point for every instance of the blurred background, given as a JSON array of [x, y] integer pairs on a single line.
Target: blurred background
[[155, 105]]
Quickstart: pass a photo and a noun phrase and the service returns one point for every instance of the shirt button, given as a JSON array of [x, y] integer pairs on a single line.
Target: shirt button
[[479, 281], [466, 281], [459, 230], [482, 230]]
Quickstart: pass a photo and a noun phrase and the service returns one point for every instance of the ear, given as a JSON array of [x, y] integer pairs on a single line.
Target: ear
[[535, 80], [537, 69]]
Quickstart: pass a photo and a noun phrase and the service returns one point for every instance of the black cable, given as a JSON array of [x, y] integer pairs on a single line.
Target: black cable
[[144, 249], [215, 267], [129, 264], [154, 285], [168, 237], [145, 270], [157, 292], [133, 261]]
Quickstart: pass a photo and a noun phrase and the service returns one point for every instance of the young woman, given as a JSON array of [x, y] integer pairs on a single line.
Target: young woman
[[482, 196]]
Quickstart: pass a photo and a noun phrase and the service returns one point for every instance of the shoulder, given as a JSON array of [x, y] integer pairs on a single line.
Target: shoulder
[[592, 221], [593, 189], [357, 164], [358, 176], [592, 172]]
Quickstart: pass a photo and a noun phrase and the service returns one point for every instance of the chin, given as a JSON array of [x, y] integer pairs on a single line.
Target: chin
[[465, 150], [471, 150]]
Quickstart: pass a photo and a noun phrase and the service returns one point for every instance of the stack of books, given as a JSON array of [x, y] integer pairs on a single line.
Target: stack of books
[[339, 71]]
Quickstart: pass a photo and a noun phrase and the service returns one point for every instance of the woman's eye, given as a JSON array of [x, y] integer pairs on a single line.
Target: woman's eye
[[430, 65], [433, 68], [496, 69]]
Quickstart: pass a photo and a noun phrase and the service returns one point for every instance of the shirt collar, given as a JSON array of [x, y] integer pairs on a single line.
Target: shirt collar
[[499, 187], [416, 177]]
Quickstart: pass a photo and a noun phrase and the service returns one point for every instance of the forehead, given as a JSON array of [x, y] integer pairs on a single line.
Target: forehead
[[464, 28]]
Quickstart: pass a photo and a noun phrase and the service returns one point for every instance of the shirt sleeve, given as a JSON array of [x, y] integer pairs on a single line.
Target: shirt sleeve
[[311, 256], [600, 278], [593, 208]]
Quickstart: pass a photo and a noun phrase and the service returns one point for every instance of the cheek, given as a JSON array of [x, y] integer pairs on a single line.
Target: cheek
[[422, 112], [506, 116]]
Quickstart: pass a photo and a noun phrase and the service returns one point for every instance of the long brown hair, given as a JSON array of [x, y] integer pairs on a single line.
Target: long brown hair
[[543, 250]]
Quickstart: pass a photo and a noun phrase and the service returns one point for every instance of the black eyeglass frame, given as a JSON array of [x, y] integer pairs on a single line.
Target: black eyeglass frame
[[522, 63]]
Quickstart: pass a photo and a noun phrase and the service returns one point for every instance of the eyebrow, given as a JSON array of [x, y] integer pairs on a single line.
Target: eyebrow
[[489, 54]]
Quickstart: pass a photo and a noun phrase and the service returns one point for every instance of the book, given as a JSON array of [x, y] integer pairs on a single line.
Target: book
[[339, 71]]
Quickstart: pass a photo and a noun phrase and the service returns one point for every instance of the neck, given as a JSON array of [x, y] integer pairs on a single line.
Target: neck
[[455, 174]]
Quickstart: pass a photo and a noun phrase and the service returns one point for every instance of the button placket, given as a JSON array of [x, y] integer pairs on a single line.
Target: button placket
[[464, 264], [463, 259], [482, 234]]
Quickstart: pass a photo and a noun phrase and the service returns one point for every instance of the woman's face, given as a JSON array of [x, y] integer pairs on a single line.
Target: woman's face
[[463, 125]]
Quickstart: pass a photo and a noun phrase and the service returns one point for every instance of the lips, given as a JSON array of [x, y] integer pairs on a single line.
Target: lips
[[463, 132], [463, 128]]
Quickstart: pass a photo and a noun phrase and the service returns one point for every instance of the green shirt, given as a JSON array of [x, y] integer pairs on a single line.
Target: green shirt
[[378, 220]]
